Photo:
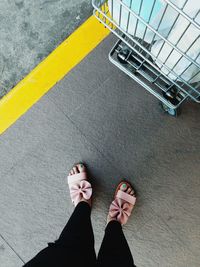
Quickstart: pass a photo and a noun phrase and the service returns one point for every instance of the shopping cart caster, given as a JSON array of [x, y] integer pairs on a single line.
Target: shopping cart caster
[[171, 96], [123, 55], [171, 111]]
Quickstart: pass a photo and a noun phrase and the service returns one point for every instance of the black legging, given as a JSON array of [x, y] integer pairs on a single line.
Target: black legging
[[75, 246]]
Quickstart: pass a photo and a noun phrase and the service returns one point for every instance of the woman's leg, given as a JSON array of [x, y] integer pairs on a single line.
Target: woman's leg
[[75, 246], [114, 251]]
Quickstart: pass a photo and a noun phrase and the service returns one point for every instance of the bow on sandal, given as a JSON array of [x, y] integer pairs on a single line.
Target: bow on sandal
[[122, 205], [79, 187]]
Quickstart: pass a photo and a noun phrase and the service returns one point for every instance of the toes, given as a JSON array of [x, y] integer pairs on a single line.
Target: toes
[[128, 190], [81, 167], [71, 172], [75, 169], [123, 187]]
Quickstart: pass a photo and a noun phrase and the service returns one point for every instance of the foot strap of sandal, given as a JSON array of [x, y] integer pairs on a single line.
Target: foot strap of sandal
[[77, 177], [125, 196]]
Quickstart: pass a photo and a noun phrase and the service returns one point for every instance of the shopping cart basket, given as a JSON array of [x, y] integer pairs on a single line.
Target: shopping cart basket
[[153, 46]]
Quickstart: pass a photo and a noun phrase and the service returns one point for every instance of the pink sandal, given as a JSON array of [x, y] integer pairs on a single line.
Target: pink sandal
[[79, 187], [122, 205]]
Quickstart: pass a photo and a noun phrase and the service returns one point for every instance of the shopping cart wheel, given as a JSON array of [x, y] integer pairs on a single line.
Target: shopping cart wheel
[[123, 55], [171, 97], [171, 111]]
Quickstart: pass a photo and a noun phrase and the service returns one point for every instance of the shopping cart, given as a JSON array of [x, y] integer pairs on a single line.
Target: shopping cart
[[149, 49]]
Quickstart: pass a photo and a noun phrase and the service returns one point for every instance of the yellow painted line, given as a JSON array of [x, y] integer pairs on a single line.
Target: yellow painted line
[[51, 70]]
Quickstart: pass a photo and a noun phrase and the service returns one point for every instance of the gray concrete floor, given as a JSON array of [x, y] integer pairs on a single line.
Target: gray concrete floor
[[30, 30], [99, 116]]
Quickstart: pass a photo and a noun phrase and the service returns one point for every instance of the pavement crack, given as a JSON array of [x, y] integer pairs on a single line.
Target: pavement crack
[[16, 253]]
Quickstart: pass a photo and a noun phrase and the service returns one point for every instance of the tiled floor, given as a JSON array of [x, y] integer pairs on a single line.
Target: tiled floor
[[98, 115]]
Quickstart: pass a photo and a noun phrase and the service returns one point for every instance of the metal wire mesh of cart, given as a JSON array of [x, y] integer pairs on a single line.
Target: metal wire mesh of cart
[[159, 45]]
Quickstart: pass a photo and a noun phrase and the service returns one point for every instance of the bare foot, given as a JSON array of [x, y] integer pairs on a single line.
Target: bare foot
[[79, 168]]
